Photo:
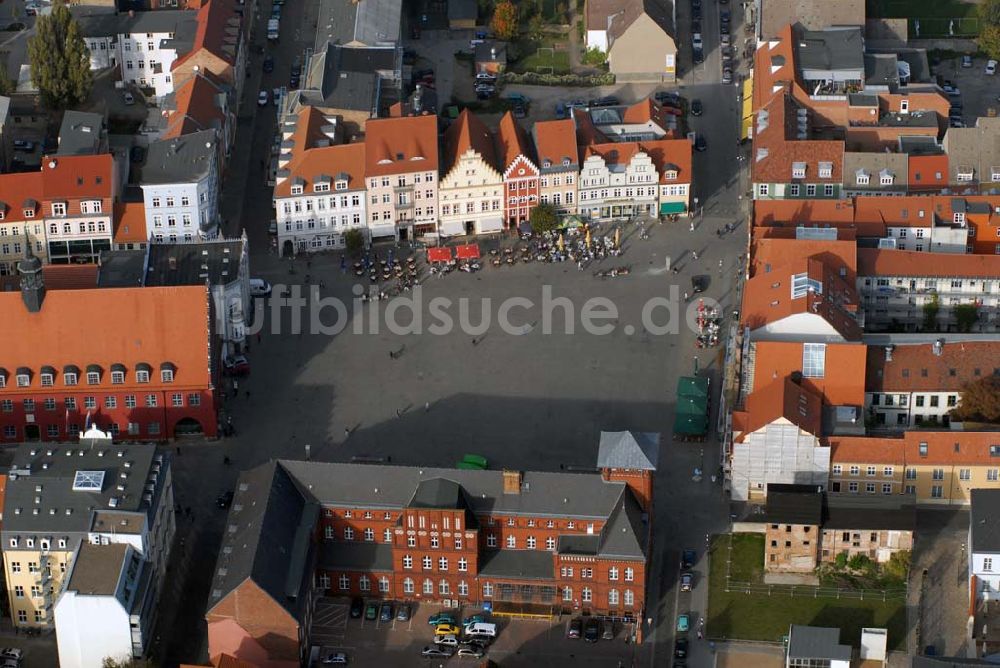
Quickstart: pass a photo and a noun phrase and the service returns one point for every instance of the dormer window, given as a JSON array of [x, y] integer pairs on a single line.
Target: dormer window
[[59, 208], [23, 378], [142, 372], [341, 185], [70, 378], [863, 177], [29, 213], [296, 190], [958, 218], [546, 163], [670, 175], [885, 178], [3, 210], [167, 372], [90, 206], [47, 379], [321, 187], [826, 170], [117, 374], [3, 378], [798, 170]]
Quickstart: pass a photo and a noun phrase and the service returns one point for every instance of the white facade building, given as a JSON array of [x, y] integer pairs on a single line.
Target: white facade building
[[615, 182], [180, 187], [984, 542], [142, 45]]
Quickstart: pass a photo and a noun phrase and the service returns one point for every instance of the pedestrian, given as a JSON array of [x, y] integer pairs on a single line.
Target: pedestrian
[[347, 432], [694, 254], [685, 296], [258, 337], [720, 264], [178, 449], [427, 406], [700, 635], [248, 394], [692, 226], [474, 342]]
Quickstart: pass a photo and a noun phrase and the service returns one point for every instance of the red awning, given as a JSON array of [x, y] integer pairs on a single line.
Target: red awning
[[467, 252], [439, 254]]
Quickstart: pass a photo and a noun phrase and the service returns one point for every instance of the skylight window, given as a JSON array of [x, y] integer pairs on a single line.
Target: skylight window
[[814, 360], [88, 481]]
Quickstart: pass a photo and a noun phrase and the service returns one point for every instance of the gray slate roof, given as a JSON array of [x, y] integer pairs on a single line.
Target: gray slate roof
[[350, 77], [984, 518], [219, 260], [56, 481], [834, 49], [462, 9], [81, 133], [517, 564], [341, 555], [874, 513], [370, 22], [816, 642], [184, 159], [264, 540], [629, 450], [181, 22], [794, 504]]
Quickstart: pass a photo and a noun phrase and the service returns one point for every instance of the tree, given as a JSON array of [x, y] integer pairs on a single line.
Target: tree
[[354, 239], [7, 86], [931, 309], [544, 218], [980, 401], [504, 23], [594, 56], [966, 316], [60, 61], [989, 40], [989, 12]]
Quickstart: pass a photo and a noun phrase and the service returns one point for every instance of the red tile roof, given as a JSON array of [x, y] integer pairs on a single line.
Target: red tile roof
[[915, 367], [338, 161], [942, 448], [468, 133], [19, 188], [512, 141], [782, 399], [58, 277], [876, 262], [912, 211], [842, 383], [769, 212], [586, 132], [78, 176], [218, 32], [779, 252], [555, 141], [401, 145], [130, 223], [666, 154], [197, 107], [154, 325], [866, 450], [927, 172]]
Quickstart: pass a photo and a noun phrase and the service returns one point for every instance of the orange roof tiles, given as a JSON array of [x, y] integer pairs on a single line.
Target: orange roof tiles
[[214, 33], [156, 325], [842, 384], [782, 399], [779, 252], [866, 450], [401, 145], [78, 176], [927, 172], [769, 212], [877, 262], [912, 211], [130, 223], [915, 367], [555, 141], [586, 132], [666, 154], [512, 141], [340, 161], [16, 189], [197, 107], [58, 277], [468, 133]]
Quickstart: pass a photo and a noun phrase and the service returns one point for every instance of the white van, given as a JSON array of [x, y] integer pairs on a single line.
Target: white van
[[481, 629]]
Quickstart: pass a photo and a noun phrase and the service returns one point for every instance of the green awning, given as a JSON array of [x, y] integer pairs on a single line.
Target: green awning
[[672, 207]]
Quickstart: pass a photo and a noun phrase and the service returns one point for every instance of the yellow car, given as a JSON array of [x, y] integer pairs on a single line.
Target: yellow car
[[447, 630]]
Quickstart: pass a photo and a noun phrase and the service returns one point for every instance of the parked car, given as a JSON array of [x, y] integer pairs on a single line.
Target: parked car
[[688, 559], [668, 97], [11, 653], [696, 42], [699, 283], [724, 16], [695, 25], [357, 607], [224, 500], [420, 74], [561, 111], [520, 111], [517, 98], [473, 651], [385, 612], [681, 648], [727, 76], [700, 144], [24, 145], [446, 641], [683, 623], [966, 61], [259, 288], [481, 630], [696, 12], [591, 630], [474, 619], [724, 31], [403, 613], [236, 365], [575, 629], [263, 98], [698, 55], [485, 76], [687, 579], [371, 611], [268, 64], [447, 630], [272, 227], [724, 38], [991, 67], [335, 659], [443, 652], [608, 630], [129, 98]]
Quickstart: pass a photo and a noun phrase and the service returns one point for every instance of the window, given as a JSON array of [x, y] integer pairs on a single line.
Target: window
[[586, 572], [458, 542], [629, 598], [348, 533], [142, 376], [117, 377], [870, 487], [937, 474], [70, 378], [530, 542], [871, 470], [463, 564], [991, 474], [862, 177], [828, 190], [613, 597], [443, 563], [937, 492], [987, 564], [586, 595], [328, 532], [407, 585], [613, 573], [427, 563], [435, 542], [387, 536], [167, 375], [443, 588], [428, 586], [369, 535], [629, 575], [802, 285], [344, 582], [151, 401], [814, 360], [852, 487], [511, 542], [364, 584], [463, 588], [965, 474], [887, 471], [550, 543], [487, 589], [567, 593], [407, 561], [18, 591], [411, 541], [491, 540], [762, 189]]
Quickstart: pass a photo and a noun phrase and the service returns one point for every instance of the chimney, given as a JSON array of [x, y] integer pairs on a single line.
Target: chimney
[[511, 482], [938, 347], [888, 352]]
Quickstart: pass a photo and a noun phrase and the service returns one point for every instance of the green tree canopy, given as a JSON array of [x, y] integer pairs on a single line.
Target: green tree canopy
[[980, 401], [60, 61], [504, 23], [354, 239], [989, 12], [544, 218], [989, 40]]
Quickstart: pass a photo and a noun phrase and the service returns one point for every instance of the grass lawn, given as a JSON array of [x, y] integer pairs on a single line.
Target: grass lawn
[[543, 60], [935, 16], [762, 617]]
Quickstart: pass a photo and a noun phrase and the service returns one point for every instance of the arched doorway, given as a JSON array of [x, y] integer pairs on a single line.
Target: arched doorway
[[188, 427], [287, 248]]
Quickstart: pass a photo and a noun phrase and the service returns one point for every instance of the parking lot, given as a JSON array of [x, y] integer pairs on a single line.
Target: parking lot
[[519, 642], [979, 90]]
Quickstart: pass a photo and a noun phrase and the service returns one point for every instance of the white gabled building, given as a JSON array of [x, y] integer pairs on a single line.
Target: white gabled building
[[141, 45], [471, 189], [180, 187], [319, 193]]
